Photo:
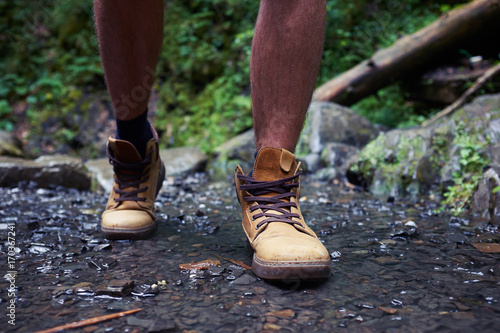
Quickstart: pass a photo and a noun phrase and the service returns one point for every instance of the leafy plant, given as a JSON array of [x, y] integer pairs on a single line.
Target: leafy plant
[[472, 160], [6, 121]]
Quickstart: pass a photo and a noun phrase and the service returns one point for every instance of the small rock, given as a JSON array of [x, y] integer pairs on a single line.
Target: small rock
[[163, 326], [46, 171], [101, 247], [244, 280], [134, 321], [182, 161], [238, 150], [9, 145], [145, 290], [330, 122], [116, 288], [83, 289], [339, 156]]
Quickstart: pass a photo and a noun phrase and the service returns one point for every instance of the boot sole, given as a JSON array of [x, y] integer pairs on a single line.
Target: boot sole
[[136, 233], [285, 270], [130, 233]]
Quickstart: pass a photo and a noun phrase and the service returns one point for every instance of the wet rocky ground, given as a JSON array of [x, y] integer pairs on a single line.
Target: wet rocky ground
[[397, 266]]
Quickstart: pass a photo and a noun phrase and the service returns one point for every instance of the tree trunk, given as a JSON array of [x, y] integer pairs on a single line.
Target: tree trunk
[[409, 53]]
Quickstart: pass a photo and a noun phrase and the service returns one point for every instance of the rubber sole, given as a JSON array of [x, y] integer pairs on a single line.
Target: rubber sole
[[285, 270], [129, 233], [136, 233]]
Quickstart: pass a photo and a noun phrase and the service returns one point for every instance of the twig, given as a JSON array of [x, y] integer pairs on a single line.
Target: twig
[[234, 261], [89, 321], [465, 96]]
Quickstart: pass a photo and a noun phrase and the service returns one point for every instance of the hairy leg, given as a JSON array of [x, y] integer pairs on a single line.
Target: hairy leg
[[130, 34], [286, 55]]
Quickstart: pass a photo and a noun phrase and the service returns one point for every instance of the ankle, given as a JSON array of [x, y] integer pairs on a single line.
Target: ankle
[[136, 131]]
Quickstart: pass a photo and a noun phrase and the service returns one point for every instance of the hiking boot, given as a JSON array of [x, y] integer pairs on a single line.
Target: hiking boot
[[285, 247], [129, 212]]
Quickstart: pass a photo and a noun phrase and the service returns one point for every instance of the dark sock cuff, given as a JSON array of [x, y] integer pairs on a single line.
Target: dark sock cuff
[[137, 131]]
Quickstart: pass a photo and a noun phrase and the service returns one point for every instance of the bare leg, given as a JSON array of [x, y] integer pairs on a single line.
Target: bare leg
[[286, 54], [130, 36]]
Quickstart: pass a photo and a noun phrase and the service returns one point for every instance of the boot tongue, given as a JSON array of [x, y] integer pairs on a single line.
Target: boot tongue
[[273, 164], [124, 151]]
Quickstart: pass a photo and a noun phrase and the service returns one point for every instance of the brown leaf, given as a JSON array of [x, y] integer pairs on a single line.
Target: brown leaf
[[487, 247], [461, 307], [272, 327], [462, 315], [287, 313], [199, 266], [387, 310]]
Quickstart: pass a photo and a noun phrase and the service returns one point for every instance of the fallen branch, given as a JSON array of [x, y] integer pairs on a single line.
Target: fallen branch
[[466, 96], [90, 321], [410, 53]]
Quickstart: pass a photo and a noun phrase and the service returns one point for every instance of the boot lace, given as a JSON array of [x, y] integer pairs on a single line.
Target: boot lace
[[130, 175], [270, 205]]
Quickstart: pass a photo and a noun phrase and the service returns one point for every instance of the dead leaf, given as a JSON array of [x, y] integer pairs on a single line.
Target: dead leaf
[[387, 310], [461, 307], [462, 315], [287, 313], [272, 327], [199, 266], [487, 247]]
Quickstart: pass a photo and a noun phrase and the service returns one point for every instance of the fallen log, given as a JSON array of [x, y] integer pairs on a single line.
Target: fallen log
[[409, 53]]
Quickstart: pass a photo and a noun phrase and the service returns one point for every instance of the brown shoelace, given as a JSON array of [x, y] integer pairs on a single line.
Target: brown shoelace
[[277, 203], [130, 175]]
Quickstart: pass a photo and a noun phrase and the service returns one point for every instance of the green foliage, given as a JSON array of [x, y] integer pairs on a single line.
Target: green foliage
[[50, 52], [204, 94], [49, 56], [472, 160], [6, 122], [388, 107], [356, 30]]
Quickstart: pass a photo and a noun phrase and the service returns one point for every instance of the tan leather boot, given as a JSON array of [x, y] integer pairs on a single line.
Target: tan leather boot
[[285, 247], [129, 212]]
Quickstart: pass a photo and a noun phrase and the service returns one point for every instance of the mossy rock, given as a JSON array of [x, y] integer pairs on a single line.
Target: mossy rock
[[415, 162]]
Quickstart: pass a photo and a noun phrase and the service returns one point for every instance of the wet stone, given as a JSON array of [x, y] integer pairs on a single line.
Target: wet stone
[[134, 321], [244, 280], [145, 290], [115, 288], [216, 270], [163, 326]]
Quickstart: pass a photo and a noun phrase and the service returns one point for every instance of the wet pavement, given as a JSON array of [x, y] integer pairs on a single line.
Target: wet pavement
[[397, 267]]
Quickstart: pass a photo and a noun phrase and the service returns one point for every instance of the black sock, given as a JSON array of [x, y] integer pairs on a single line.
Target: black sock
[[136, 131]]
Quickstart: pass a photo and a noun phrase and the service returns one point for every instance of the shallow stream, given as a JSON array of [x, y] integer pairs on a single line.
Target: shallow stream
[[397, 267]]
